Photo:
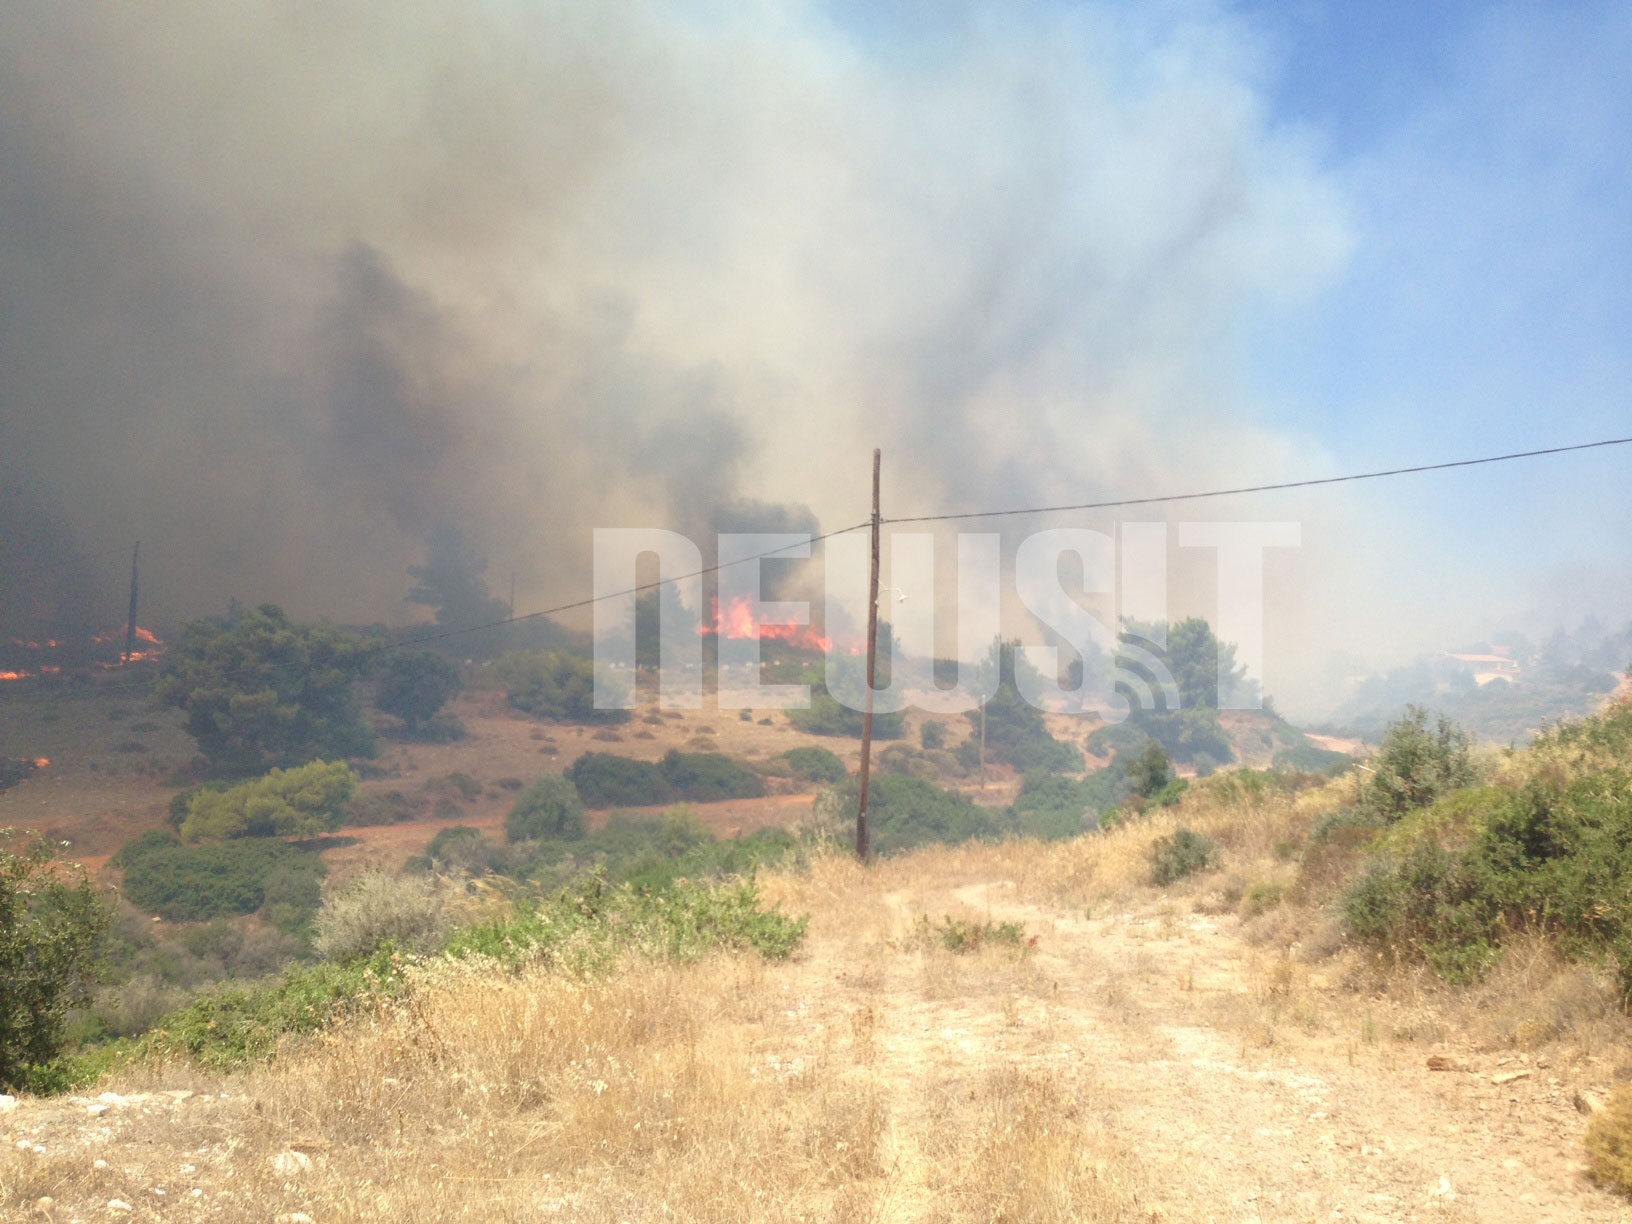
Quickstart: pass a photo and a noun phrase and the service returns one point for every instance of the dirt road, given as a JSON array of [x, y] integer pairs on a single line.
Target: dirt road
[[1208, 1079]]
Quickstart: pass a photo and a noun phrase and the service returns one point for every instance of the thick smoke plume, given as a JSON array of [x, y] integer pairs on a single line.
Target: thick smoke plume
[[288, 289]]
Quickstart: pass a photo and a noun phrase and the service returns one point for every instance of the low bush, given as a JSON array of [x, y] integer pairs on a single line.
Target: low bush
[[554, 685], [195, 883], [1182, 853], [932, 735], [704, 777], [463, 849], [1609, 1143], [930, 764], [961, 935], [904, 812], [826, 715], [1051, 806], [1553, 856], [815, 765], [550, 807], [604, 780], [1306, 758], [377, 910], [1417, 764], [51, 920], [299, 802], [234, 1024], [593, 925]]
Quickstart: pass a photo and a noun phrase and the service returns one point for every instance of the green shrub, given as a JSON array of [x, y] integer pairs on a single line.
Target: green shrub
[[51, 919], [232, 1024], [262, 691], [1306, 758], [549, 807], [1150, 771], [1553, 857], [195, 883], [462, 848], [826, 715], [415, 684], [554, 685], [904, 812], [703, 777], [961, 935], [1416, 764], [816, 765], [604, 780], [592, 925], [1053, 807], [296, 802], [1182, 853], [378, 909], [932, 735]]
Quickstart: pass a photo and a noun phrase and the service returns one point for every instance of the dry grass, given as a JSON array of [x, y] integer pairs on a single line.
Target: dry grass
[[1609, 1143]]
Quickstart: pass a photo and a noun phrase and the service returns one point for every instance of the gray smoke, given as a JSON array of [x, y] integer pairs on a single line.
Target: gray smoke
[[287, 289]]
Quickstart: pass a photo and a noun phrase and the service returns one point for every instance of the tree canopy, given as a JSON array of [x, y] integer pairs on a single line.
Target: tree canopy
[[415, 684], [262, 691], [300, 802]]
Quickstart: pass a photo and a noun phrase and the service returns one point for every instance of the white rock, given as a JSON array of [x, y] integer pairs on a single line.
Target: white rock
[[96, 1110], [99, 1163], [119, 1205], [7, 1103], [114, 1099], [291, 1163]]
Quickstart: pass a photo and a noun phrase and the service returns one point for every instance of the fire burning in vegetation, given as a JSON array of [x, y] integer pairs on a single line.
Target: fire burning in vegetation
[[14, 769], [27, 659], [737, 622]]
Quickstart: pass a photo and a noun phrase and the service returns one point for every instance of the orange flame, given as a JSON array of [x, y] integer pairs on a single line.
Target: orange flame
[[738, 622], [41, 762]]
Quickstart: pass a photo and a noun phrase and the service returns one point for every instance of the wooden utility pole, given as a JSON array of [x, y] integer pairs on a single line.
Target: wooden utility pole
[[872, 669], [130, 622]]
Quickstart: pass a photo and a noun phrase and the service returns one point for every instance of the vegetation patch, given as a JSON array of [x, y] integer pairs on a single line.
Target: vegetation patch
[[818, 765], [300, 802], [961, 935], [50, 923], [594, 924], [196, 883], [261, 691], [1184, 852], [1609, 1143], [905, 812], [553, 684]]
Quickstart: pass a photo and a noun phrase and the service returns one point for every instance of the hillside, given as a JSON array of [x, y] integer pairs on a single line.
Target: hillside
[[1014, 1031]]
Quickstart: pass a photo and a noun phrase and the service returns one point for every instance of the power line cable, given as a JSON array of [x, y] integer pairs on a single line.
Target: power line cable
[[1263, 488]]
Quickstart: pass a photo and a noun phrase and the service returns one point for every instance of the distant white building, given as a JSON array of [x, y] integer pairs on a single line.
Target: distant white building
[[1487, 667]]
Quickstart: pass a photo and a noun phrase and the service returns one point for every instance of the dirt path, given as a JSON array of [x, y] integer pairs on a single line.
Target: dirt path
[[1241, 1102], [1224, 1082]]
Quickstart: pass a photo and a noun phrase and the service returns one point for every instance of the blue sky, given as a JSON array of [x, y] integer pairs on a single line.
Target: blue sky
[[1482, 155]]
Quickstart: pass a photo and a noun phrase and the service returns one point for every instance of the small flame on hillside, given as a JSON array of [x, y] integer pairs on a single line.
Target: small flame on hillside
[[69, 655], [737, 622]]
